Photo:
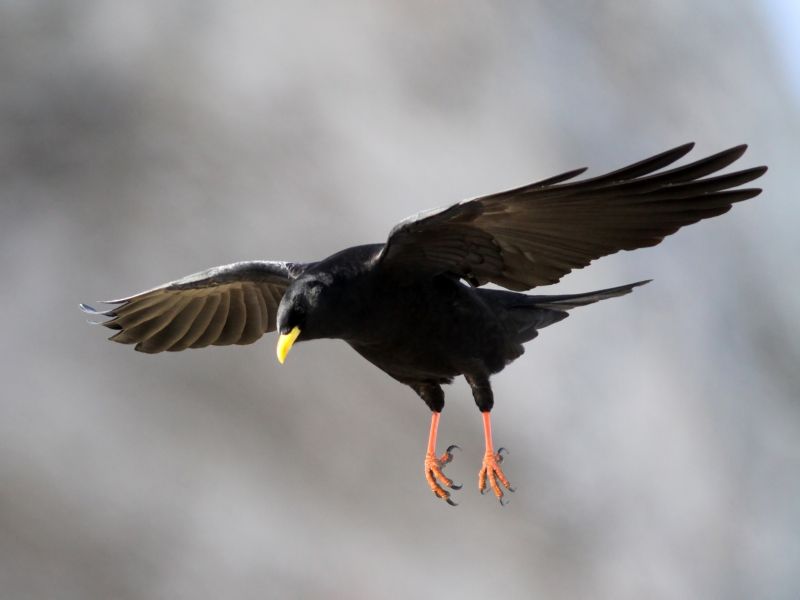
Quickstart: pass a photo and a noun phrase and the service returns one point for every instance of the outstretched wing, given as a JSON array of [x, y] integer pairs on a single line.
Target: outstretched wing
[[232, 304], [536, 234]]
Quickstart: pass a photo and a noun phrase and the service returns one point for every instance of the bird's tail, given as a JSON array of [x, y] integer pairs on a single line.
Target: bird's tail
[[570, 301], [525, 314]]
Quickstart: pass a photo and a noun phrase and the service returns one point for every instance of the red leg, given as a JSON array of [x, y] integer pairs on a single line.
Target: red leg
[[433, 466], [490, 470]]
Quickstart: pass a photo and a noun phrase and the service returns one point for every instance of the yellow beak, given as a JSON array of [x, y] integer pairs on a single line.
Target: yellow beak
[[285, 343]]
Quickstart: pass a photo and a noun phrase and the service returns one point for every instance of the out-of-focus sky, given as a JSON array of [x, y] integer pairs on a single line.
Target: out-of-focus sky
[[655, 439], [782, 20]]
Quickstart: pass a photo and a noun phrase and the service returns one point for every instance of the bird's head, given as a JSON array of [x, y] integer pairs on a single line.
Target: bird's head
[[301, 312]]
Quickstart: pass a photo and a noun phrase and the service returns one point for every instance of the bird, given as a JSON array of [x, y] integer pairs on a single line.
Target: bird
[[416, 305]]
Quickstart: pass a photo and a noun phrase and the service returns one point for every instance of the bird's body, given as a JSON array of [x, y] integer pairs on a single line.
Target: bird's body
[[471, 334], [466, 330], [472, 337], [414, 306]]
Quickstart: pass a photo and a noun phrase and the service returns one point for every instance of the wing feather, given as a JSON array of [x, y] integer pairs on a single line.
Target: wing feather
[[252, 326], [232, 304], [237, 316], [175, 329], [217, 323], [151, 322], [198, 324], [535, 234]]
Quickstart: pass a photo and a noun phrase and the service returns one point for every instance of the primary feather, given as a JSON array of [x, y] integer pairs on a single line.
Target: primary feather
[[536, 234]]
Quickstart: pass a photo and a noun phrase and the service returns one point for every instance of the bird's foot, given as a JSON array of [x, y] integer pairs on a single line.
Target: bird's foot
[[491, 472], [437, 480]]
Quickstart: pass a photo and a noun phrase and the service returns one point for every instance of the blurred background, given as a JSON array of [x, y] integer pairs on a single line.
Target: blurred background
[[655, 439]]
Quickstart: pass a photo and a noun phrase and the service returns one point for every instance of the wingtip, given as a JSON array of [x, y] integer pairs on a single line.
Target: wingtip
[[739, 150], [730, 155], [558, 178], [91, 310], [688, 146], [680, 151], [627, 289]]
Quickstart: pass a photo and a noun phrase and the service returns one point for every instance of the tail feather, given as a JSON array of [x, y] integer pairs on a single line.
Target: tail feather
[[525, 314], [570, 301]]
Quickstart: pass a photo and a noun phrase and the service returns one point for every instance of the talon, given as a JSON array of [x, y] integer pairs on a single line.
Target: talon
[[436, 478], [500, 454], [492, 476], [448, 454]]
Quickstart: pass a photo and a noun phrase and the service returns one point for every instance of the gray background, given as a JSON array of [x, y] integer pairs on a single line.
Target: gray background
[[655, 439]]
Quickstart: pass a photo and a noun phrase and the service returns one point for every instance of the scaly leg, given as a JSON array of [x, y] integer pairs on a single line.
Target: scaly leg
[[433, 466]]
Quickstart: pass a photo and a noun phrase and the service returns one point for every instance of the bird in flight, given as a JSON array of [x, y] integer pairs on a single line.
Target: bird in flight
[[414, 306]]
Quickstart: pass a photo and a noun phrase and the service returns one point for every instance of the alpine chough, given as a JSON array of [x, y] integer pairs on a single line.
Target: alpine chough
[[414, 306]]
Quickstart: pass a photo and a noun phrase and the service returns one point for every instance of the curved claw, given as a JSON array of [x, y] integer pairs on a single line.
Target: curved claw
[[503, 501], [447, 457], [437, 480], [500, 454], [491, 476]]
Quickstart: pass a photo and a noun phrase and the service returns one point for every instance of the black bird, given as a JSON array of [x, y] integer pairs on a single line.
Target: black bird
[[414, 306]]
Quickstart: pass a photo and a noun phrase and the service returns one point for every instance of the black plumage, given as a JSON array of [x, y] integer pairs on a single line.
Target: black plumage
[[413, 306]]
